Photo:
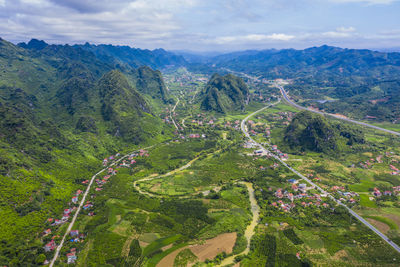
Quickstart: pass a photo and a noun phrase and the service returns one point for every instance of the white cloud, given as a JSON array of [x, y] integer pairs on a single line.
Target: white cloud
[[253, 38], [341, 32]]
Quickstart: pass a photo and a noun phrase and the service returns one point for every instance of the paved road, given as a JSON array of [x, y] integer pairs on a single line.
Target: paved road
[[71, 224], [358, 217], [286, 97], [172, 111]]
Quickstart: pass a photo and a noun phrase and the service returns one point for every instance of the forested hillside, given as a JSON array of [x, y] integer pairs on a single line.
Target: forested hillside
[[224, 93], [62, 110], [313, 132]]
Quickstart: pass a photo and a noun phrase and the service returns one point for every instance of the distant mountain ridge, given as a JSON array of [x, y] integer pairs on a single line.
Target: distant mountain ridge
[[135, 57]]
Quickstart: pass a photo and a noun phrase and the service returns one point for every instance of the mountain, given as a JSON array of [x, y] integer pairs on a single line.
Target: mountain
[[313, 132], [62, 110], [150, 82], [135, 57], [364, 80], [224, 94], [122, 106], [289, 63]]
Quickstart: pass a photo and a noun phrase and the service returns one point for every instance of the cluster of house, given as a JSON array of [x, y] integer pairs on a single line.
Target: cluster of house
[[110, 158], [127, 163], [344, 196], [285, 116], [297, 192], [249, 144], [76, 237], [232, 125], [377, 193], [369, 163], [64, 218], [282, 155]]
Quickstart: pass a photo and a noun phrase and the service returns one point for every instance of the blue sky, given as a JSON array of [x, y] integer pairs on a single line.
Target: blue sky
[[205, 25]]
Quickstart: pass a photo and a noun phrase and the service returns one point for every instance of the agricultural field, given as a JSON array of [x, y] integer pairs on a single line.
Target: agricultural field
[[142, 229]]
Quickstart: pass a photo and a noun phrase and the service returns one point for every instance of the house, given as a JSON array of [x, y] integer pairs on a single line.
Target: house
[[79, 192], [393, 168], [74, 233], [387, 193], [46, 232], [87, 206], [49, 220], [50, 246], [98, 189], [302, 187], [71, 257], [57, 222], [292, 181], [294, 187], [75, 199]]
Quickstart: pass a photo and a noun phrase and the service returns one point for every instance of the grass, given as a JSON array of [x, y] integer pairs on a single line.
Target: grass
[[159, 243], [184, 257], [366, 202], [364, 186]]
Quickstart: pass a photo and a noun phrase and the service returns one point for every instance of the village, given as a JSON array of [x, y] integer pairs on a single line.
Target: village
[[52, 234]]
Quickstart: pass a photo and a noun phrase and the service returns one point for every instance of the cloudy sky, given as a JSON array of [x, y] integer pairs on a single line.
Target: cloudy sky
[[205, 25]]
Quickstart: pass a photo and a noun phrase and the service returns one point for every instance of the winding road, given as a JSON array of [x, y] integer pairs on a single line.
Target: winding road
[[286, 97], [358, 217]]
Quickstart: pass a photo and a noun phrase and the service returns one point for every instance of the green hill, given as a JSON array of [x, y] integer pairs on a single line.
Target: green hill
[[150, 82], [309, 131], [224, 94]]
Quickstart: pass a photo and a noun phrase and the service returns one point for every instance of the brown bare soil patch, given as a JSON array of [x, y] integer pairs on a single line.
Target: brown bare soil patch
[[168, 261], [213, 247], [143, 244], [340, 254], [166, 247], [383, 227], [155, 187]]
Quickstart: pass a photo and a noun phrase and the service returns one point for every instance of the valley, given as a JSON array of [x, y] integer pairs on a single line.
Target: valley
[[107, 162]]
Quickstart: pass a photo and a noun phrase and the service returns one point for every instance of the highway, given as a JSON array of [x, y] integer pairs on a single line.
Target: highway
[[358, 217], [286, 97]]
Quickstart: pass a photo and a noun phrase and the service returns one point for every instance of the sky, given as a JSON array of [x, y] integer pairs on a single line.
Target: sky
[[205, 25]]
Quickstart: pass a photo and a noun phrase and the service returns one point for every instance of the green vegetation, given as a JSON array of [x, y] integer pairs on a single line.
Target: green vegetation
[[313, 132], [184, 257], [224, 93], [63, 109]]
